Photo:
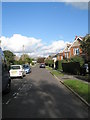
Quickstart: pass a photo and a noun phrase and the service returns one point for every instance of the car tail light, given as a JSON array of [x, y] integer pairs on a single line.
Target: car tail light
[[20, 72]]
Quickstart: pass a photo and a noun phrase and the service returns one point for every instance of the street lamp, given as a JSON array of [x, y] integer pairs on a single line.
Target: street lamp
[[23, 53], [0, 43]]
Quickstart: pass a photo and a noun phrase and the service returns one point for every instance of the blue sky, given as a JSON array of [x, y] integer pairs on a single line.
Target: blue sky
[[48, 21]]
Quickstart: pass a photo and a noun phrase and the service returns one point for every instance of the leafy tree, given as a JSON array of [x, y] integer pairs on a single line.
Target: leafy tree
[[25, 59], [85, 45], [40, 60], [29, 60], [9, 56], [77, 59]]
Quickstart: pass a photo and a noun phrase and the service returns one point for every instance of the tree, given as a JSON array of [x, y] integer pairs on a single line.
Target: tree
[[25, 59], [29, 60], [9, 56], [85, 45], [40, 60], [77, 59]]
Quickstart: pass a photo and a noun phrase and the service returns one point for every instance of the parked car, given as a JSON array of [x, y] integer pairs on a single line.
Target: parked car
[[17, 71], [6, 81], [86, 67], [27, 68], [42, 65]]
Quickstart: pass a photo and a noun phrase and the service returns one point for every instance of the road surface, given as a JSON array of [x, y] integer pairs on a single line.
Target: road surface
[[40, 95]]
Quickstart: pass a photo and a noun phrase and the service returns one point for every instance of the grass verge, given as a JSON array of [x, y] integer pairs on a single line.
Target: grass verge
[[55, 72], [83, 89]]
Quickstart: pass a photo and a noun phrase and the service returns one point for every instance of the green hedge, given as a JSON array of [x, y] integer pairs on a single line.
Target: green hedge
[[71, 67], [58, 64], [49, 63], [77, 59], [89, 66]]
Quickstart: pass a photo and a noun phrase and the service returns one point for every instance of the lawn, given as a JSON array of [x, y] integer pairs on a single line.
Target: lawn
[[55, 72], [83, 89], [49, 68]]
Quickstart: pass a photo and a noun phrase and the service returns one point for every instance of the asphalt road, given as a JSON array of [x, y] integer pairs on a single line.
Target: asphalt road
[[40, 95]]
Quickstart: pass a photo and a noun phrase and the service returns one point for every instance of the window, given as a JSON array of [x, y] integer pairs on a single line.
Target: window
[[15, 67], [61, 57], [76, 51], [67, 55]]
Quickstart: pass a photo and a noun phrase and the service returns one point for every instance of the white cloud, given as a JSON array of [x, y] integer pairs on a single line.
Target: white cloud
[[34, 47], [16, 42]]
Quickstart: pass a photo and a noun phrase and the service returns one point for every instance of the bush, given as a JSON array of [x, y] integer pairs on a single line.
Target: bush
[[89, 66], [50, 63], [32, 63], [71, 67], [58, 64], [77, 59]]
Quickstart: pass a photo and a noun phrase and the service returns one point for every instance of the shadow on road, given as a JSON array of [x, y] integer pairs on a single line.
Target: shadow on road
[[45, 100]]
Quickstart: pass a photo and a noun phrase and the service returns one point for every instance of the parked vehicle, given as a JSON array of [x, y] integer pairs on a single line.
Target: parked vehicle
[[6, 81], [42, 65], [85, 69], [17, 71], [27, 68]]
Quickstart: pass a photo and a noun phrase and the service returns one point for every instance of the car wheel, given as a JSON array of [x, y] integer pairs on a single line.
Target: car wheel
[[21, 77]]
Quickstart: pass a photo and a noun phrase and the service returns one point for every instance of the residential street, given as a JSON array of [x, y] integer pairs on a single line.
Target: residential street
[[40, 95]]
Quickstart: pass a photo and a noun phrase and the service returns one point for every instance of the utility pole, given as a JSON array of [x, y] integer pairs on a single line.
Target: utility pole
[[23, 52], [0, 43], [23, 49]]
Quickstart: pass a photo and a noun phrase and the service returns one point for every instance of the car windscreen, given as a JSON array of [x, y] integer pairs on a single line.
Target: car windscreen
[[15, 67], [42, 64], [25, 66]]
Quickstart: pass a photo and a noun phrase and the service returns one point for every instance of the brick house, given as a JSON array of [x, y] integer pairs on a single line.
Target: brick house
[[75, 47], [60, 55], [65, 53], [70, 49]]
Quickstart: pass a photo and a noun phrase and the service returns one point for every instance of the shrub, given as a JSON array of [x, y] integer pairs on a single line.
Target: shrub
[[32, 63], [50, 63], [77, 59], [71, 67], [58, 64], [89, 66]]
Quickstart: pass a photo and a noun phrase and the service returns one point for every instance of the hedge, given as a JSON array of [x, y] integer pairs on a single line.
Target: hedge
[[71, 67], [58, 64], [77, 59], [50, 63], [89, 66]]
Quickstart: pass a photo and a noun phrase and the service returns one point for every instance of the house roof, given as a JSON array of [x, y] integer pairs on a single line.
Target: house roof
[[69, 45], [66, 49], [76, 42]]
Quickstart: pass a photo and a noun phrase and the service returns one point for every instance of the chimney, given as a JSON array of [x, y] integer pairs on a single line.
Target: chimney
[[76, 37]]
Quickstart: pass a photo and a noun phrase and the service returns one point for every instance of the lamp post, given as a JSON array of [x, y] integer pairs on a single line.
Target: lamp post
[[0, 43], [23, 53]]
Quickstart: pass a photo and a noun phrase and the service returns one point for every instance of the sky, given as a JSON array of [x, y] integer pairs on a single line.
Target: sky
[[43, 28]]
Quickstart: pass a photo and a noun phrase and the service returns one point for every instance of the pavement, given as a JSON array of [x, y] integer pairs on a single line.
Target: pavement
[[40, 95], [74, 77]]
